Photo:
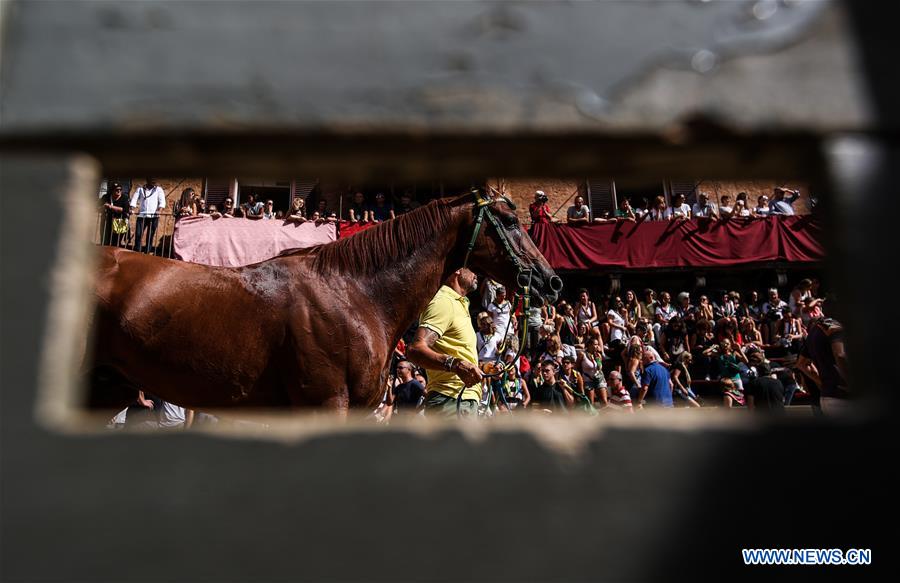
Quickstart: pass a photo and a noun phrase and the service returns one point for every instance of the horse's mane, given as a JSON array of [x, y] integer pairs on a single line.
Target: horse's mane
[[374, 249]]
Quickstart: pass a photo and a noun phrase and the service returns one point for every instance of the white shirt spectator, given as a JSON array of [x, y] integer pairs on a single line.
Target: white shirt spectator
[[705, 210], [487, 346], [148, 201], [576, 212], [683, 211], [726, 210], [664, 314], [500, 315], [615, 319], [657, 215], [171, 415], [488, 293]]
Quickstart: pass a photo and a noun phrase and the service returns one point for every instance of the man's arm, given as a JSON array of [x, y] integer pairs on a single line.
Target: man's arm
[[567, 393], [421, 353], [840, 359], [526, 395], [641, 395], [806, 366]]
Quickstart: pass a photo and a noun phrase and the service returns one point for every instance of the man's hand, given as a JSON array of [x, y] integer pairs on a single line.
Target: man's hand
[[468, 372]]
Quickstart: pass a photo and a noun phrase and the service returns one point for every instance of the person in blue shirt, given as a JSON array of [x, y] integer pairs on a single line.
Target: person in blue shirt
[[781, 204], [656, 385]]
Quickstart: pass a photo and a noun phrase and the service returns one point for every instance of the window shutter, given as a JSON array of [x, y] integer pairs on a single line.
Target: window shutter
[[216, 192], [302, 187], [601, 196], [689, 188]]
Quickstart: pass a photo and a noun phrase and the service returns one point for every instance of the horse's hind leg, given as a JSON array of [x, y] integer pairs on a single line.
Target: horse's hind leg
[[339, 403]]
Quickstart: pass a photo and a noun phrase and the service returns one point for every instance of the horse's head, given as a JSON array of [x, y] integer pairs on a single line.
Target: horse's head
[[502, 249]]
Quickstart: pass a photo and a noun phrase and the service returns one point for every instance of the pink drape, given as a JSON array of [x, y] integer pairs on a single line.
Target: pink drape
[[231, 242]]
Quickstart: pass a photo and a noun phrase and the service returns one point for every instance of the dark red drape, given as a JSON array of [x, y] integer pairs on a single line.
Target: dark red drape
[[694, 243], [347, 228]]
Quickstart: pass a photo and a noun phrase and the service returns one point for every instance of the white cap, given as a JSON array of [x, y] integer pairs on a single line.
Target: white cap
[[540, 192]]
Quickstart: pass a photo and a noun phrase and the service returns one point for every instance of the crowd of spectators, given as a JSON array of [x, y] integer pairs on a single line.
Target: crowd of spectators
[[148, 205], [629, 351], [658, 209]]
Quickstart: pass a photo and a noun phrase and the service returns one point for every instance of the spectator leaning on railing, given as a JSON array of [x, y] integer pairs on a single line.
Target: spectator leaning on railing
[[782, 204], [359, 210], [657, 211], [762, 207], [703, 207], [679, 209], [188, 204], [579, 213], [625, 211], [116, 212], [726, 209], [147, 201], [381, 210]]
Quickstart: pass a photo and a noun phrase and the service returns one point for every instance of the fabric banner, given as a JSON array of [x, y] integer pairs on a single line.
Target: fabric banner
[[693, 243], [348, 228], [233, 242]]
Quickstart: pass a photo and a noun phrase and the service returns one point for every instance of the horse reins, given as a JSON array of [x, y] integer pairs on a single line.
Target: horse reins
[[482, 205]]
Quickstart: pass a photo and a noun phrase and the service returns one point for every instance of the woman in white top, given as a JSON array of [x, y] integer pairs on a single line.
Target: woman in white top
[[553, 352], [725, 207], [798, 295], [617, 324], [762, 206], [740, 209], [657, 211], [679, 209], [590, 364], [586, 313]]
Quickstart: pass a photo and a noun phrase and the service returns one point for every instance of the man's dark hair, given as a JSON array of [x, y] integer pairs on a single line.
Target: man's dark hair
[[582, 290], [763, 369]]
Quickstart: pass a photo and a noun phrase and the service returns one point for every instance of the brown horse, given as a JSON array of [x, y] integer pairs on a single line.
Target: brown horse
[[309, 328]]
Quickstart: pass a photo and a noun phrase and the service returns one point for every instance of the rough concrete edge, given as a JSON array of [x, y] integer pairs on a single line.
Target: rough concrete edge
[[70, 300]]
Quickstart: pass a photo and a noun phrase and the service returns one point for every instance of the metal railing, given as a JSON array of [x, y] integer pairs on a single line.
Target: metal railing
[[155, 233]]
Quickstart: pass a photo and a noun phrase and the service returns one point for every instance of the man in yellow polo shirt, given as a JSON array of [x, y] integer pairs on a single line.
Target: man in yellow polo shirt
[[445, 345]]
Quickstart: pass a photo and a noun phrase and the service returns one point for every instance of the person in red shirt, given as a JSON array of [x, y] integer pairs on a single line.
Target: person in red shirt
[[539, 209]]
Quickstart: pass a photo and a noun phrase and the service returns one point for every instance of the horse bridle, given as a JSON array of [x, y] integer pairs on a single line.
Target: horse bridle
[[523, 274]]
